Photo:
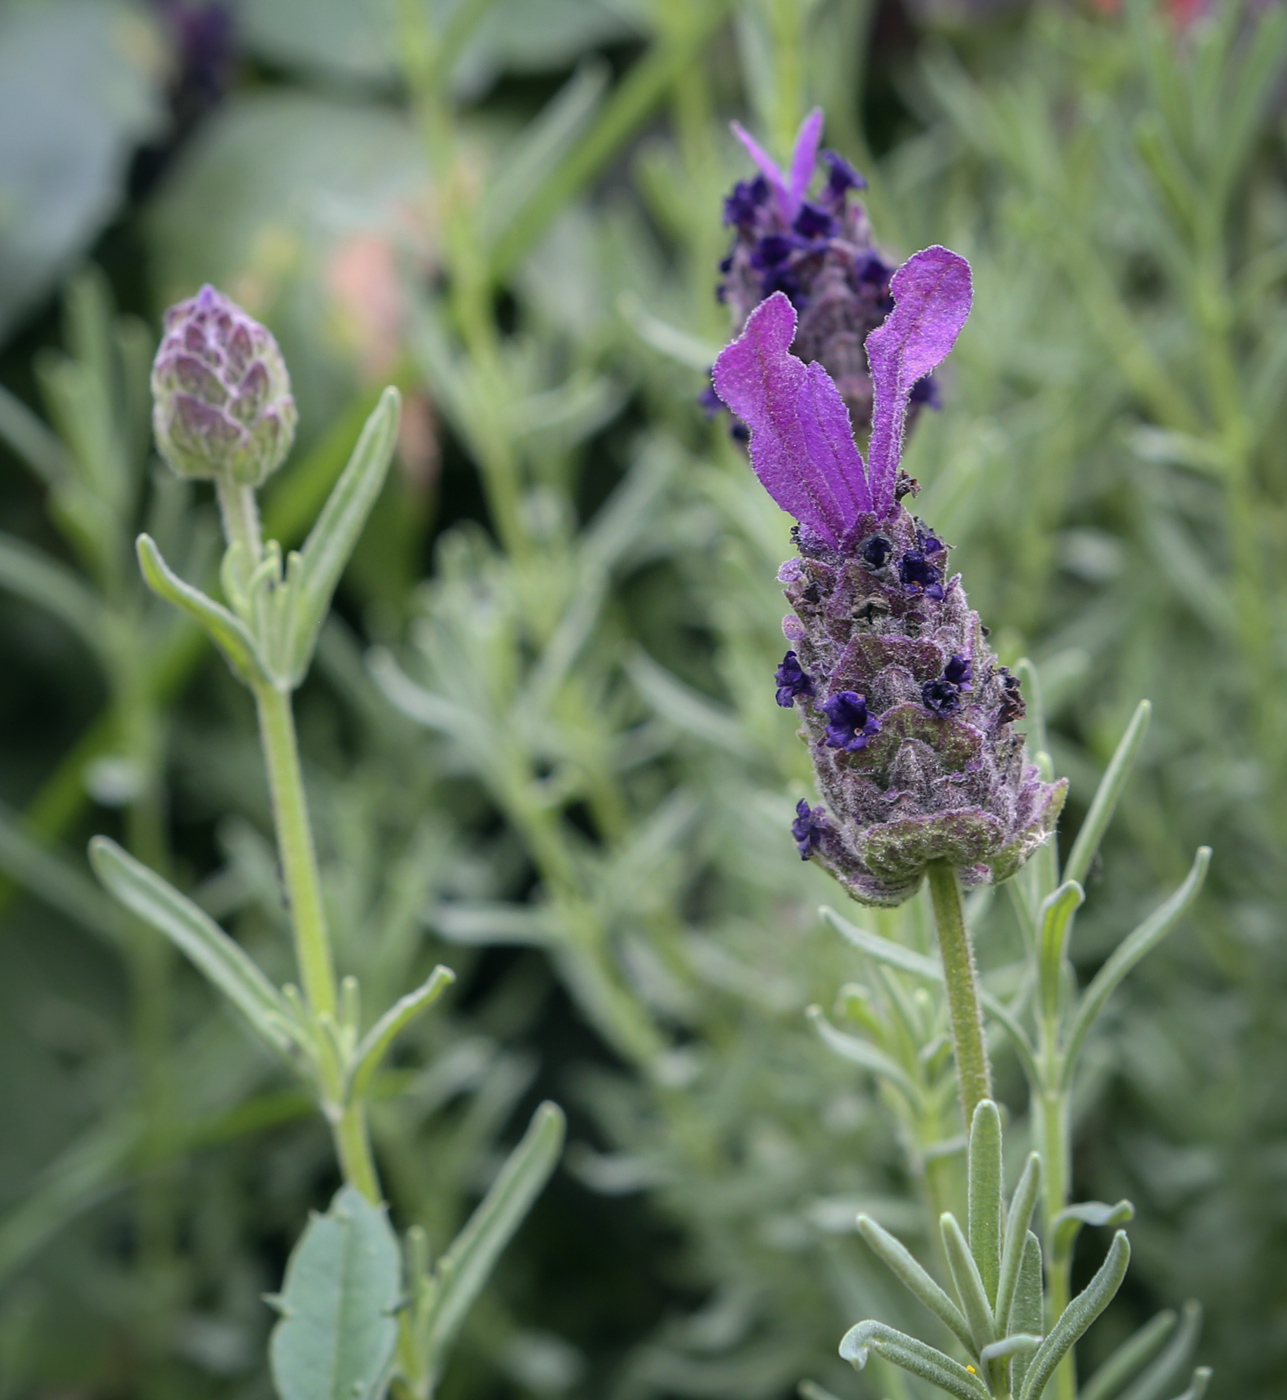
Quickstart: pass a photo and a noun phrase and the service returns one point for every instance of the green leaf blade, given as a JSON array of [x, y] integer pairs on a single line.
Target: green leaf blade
[[1077, 1318], [223, 961], [465, 1267], [339, 1328], [911, 1355], [1104, 803]]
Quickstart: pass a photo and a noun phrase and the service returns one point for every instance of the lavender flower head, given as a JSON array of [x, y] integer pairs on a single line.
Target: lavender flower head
[[817, 250], [906, 711], [221, 393]]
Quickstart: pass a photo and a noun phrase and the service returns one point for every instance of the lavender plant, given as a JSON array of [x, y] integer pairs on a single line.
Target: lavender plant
[[924, 775], [223, 411]]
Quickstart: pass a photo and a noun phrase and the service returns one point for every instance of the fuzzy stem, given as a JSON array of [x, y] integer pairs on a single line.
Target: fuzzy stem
[[973, 1072], [240, 512], [295, 846]]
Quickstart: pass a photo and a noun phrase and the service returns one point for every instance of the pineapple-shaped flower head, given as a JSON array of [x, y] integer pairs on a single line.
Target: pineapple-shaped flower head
[[817, 250], [906, 712], [222, 405]]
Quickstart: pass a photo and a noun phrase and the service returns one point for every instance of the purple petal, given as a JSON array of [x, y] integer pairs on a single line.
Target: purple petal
[[772, 172], [802, 445], [805, 157], [932, 295]]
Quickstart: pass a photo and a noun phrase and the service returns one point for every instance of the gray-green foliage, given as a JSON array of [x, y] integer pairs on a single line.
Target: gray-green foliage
[[338, 1306], [582, 757]]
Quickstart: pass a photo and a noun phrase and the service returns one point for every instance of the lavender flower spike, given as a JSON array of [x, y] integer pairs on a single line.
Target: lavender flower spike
[[802, 447], [788, 193], [907, 713], [932, 295]]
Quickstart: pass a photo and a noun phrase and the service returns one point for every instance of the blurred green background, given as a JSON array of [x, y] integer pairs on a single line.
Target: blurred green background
[[513, 210]]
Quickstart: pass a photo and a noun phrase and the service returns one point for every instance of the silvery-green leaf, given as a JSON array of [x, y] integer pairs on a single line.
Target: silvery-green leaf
[[1022, 1205], [197, 935], [227, 632], [985, 1183], [331, 541], [898, 1259], [371, 1050], [1106, 796], [912, 1355], [1130, 1358], [969, 1285], [1133, 947], [1069, 1221], [339, 1329], [1077, 1317], [1157, 1381], [463, 1270]]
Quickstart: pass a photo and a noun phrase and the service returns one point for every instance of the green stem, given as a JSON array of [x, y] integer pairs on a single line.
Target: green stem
[[1050, 1125], [295, 846], [240, 512], [308, 922], [973, 1072], [353, 1147]]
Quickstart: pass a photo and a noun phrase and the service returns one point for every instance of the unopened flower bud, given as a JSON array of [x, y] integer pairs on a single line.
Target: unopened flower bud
[[222, 405]]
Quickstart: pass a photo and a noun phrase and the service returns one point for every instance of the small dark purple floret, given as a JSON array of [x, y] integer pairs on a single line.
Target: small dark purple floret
[[925, 392], [959, 671], [744, 203], [843, 177], [871, 268], [941, 697], [772, 249], [812, 222], [792, 681], [875, 553], [919, 575], [807, 828], [851, 725], [710, 401]]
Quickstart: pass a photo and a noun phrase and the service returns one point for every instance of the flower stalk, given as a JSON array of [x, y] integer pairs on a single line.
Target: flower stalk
[[973, 1070]]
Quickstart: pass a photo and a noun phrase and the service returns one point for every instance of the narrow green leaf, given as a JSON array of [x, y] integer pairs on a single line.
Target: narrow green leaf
[[1022, 1205], [53, 878], [373, 1047], [915, 1356], [197, 935], [32, 574], [899, 1260], [227, 632], [339, 1328], [331, 541], [684, 707], [969, 1285], [1106, 795], [1028, 1311], [1133, 947], [1177, 1355], [1068, 1222], [1198, 1386], [464, 1269], [1077, 1317], [1017, 1345], [883, 950], [862, 1052], [627, 107], [985, 1173], [1055, 923], [1130, 1358], [544, 142], [31, 439]]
